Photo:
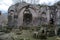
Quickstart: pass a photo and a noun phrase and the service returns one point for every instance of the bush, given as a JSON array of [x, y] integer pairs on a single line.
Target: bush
[[22, 39], [5, 29]]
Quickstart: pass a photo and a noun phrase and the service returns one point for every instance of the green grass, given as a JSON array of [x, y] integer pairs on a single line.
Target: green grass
[[26, 34], [52, 38]]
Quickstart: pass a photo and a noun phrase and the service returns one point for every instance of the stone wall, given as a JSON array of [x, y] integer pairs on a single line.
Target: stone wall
[[40, 14]]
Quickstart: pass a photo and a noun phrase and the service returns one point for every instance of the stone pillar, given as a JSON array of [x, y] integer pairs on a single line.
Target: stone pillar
[[15, 21]]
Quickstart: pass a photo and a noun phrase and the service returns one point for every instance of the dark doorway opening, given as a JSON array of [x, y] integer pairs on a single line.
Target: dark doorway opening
[[27, 18], [58, 32]]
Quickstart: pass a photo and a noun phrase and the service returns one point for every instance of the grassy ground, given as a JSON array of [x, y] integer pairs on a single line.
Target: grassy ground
[[52, 38], [26, 34]]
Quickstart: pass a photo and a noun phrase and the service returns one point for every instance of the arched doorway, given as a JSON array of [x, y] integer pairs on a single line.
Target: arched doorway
[[26, 15], [27, 18]]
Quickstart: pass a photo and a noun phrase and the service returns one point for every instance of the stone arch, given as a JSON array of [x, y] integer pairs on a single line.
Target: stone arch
[[25, 7], [11, 8], [20, 14], [27, 16]]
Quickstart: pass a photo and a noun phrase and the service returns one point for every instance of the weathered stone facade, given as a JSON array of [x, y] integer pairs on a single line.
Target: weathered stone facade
[[24, 14], [32, 15]]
